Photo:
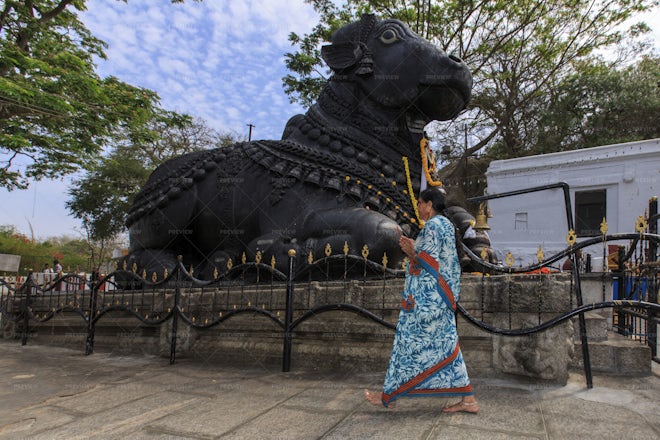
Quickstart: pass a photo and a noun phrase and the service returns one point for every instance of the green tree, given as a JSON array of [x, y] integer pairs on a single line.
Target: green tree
[[56, 113], [71, 253], [601, 104], [518, 50]]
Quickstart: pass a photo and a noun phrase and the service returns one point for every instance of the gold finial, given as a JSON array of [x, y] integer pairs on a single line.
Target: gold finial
[[365, 251], [328, 250], [603, 226], [571, 238], [310, 258], [165, 273], [539, 254], [134, 268], [272, 261], [404, 263], [154, 277], [192, 270], [216, 274], [345, 248], [230, 264], [385, 261], [291, 253], [257, 257], [243, 258], [484, 253], [509, 260], [641, 224]]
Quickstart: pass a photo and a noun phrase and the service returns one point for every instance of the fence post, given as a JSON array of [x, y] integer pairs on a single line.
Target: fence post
[[91, 323], [288, 315], [175, 310], [652, 286], [621, 288], [27, 286], [653, 227]]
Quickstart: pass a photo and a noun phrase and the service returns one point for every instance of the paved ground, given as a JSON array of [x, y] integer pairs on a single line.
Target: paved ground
[[58, 393]]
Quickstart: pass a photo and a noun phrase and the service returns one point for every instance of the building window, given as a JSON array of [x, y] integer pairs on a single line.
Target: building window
[[520, 221], [590, 209]]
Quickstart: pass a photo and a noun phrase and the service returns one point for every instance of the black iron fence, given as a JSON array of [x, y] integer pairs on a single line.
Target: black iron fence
[[178, 298]]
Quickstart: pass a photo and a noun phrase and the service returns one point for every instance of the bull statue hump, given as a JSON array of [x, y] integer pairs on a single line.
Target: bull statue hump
[[336, 176]]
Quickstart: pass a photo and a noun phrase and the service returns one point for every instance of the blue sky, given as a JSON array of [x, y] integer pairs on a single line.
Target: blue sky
[[221, 61]]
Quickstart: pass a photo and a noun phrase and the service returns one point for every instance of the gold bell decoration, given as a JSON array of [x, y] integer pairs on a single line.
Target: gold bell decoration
[[482, 219]]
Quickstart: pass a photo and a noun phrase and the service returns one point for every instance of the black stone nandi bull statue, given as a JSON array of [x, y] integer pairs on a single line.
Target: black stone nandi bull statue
[[337, 176]]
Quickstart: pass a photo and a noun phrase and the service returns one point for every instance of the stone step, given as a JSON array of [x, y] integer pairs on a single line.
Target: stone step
[[617, 356], [597, 327]]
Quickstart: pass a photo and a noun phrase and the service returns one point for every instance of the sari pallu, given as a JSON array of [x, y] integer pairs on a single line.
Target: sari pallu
[[426, 357]]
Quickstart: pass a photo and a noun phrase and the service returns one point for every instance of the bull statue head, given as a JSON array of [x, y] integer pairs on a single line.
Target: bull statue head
[[398, 70]]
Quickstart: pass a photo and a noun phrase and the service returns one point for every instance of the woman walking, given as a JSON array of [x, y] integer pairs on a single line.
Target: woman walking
[[426, 358]]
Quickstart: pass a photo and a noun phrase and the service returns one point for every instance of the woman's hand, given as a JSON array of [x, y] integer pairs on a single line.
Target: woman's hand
[[407, 246]]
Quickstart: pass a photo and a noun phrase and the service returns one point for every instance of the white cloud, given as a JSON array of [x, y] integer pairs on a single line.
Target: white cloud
[[189, 53]]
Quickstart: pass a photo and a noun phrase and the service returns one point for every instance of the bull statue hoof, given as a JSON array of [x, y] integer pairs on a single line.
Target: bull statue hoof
[[336, 177]]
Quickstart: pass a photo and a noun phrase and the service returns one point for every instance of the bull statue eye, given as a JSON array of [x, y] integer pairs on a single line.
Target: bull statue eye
[[388, 36]]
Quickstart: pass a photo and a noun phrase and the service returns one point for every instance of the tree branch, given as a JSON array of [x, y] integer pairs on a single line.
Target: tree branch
[[482, 143]]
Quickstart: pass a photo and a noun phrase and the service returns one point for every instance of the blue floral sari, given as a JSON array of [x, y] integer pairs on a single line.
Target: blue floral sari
[[426, 358]]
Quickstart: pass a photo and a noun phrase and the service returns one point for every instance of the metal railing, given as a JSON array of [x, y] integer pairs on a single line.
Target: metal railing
[[259, 289]]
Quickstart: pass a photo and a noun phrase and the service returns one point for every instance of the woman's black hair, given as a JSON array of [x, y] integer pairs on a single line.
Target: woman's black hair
[[436, 196]]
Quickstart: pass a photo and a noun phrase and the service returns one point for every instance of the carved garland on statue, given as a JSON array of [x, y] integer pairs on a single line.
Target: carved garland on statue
[[413, 199], [429, 167]]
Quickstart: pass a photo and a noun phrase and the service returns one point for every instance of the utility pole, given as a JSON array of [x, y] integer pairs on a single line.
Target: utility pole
[[250, 132]]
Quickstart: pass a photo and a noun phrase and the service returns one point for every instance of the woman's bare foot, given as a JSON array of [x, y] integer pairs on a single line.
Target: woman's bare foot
[[373, 397], [463, 406]]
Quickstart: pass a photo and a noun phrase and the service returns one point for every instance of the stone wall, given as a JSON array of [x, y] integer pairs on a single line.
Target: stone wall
[[345, 341]]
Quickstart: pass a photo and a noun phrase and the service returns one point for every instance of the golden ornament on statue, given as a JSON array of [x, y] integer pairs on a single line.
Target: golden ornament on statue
[[428, 162]]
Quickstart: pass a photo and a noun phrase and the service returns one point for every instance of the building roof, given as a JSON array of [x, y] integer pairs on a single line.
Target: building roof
[[606, 153]]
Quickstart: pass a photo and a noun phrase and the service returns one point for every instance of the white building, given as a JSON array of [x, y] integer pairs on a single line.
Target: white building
[[613, 181]]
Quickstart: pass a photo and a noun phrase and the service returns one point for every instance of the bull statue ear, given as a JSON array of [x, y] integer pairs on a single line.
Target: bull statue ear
[[340, 56]]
